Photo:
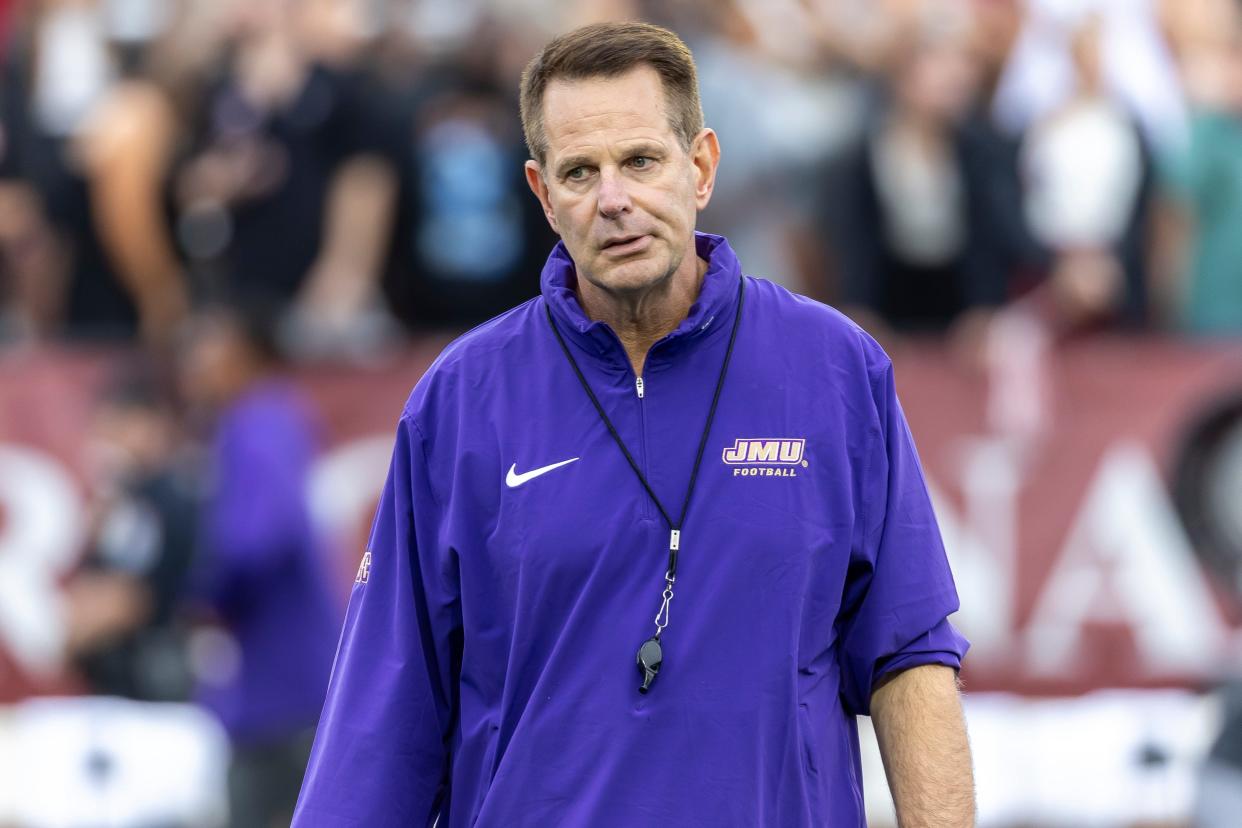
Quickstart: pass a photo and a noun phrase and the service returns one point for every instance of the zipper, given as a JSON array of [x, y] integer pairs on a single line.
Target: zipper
[[640, 388], [648, 509]]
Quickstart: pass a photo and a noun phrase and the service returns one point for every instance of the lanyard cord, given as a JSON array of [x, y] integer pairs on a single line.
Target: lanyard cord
[[674, 528]]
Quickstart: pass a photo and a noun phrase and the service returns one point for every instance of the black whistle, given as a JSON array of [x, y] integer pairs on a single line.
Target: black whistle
[[650, 656]]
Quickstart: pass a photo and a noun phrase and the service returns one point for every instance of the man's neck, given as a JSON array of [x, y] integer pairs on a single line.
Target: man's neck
[[642, 319]]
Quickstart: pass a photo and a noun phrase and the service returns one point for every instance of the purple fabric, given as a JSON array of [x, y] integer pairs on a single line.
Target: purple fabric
[[262, 568], [487, 674]]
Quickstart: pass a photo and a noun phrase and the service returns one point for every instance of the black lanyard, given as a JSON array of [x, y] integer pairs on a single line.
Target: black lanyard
[[651, 655]]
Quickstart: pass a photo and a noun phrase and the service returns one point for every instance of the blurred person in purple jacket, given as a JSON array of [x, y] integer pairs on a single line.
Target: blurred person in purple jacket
[[513, 654], [260, 567]]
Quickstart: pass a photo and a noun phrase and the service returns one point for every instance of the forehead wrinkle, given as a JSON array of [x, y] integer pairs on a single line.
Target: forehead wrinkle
[[612, 145], [635, 102], [608, 122], [588, 141]]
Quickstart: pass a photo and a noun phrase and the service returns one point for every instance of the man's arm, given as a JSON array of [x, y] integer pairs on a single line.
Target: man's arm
[[127, 144], [922, 735], [358, 219]]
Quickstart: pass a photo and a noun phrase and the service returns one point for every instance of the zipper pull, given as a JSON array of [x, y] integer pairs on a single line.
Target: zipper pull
[[638, 384]]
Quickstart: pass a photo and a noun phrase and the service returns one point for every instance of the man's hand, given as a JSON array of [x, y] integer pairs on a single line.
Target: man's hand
[[922, 735]]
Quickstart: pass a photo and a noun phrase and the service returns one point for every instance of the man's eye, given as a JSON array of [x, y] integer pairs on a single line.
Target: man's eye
[[640, 161], [576, 174]]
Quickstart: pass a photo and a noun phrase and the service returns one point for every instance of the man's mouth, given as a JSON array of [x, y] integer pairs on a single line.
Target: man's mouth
[[626, 244]]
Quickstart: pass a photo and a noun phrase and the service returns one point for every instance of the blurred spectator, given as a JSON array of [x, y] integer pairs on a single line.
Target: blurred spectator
[[469, 239], [124, 629], [66, 140], [1087, 172], [920, 212], [261, 569], [32, 261], [1206, 174], [1136, 67], [281, 200], [779, 118]]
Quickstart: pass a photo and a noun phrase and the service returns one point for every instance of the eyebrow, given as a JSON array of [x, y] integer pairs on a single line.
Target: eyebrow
[[642, 148], [571, 162]]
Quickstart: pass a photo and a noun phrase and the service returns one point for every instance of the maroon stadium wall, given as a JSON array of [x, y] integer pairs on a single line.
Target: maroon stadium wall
[[1050, 473]]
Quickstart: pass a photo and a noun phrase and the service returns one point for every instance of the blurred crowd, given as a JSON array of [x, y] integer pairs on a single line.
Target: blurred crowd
[[353, 167], [204, 575], [219, 185]]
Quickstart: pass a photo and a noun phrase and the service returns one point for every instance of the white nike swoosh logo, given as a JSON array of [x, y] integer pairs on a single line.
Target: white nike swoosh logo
[[513, 479]]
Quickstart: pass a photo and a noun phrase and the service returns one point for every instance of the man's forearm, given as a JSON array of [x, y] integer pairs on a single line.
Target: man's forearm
[[922, 735]]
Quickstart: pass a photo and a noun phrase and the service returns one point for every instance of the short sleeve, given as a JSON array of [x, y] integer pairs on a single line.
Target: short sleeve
[[899, 589]]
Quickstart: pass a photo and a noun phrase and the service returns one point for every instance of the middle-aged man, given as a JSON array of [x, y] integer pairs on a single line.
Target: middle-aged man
[[652, 540]]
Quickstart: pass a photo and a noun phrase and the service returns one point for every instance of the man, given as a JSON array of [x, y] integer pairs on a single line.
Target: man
[[658, 461], [125, 630], [260, 570]]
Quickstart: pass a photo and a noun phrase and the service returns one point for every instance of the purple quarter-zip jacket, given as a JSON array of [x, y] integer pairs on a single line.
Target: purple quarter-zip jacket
[[486, 674], [262, 568]]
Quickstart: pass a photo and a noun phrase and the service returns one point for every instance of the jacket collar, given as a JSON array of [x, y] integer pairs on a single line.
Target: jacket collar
[[711, 311]]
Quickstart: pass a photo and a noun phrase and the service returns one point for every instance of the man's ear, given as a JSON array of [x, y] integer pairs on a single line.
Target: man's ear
[[705, 155], [534, 180]]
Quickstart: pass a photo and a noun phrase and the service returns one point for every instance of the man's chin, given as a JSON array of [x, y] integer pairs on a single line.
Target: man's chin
[[630, 276]]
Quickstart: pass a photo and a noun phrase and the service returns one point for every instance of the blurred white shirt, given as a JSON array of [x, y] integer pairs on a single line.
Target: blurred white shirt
[[1139, 69], [1083, 169]]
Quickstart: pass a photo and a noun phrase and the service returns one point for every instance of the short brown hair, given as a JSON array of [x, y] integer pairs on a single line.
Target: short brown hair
[[608, 50]]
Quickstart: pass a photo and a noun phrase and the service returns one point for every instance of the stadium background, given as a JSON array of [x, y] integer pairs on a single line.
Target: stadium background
[[1034, 206]]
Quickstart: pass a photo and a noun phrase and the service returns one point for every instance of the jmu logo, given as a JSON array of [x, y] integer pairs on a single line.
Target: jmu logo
[[765, 452], [364, 569]]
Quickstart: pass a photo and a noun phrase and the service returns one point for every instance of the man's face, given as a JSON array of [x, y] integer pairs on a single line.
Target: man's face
[[616, 183]]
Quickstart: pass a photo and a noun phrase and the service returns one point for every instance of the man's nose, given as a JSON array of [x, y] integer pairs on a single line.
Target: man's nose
[[614, 199]]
